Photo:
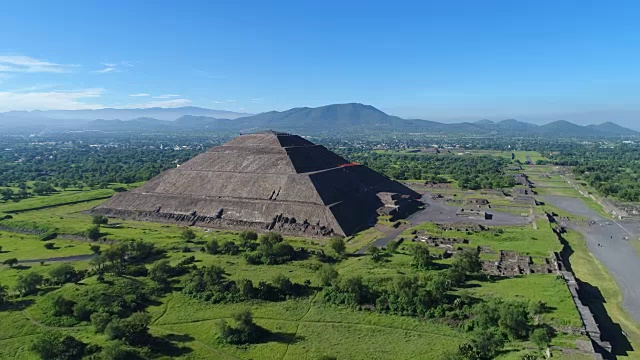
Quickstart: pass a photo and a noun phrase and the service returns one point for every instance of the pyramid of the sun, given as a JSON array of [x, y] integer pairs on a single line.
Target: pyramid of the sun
[[266, 181]]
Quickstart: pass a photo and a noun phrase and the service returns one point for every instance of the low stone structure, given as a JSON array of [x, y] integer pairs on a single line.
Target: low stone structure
[[477, 201], [474, 213], [511, 263]]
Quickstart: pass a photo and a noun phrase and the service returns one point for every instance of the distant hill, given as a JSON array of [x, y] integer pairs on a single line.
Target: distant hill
[[73, 119], [565, 128], [337, 115], [330, 118], [610, 128]]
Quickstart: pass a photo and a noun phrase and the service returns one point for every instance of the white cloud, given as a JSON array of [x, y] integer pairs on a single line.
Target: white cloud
[[26, 64], [106, 70], [163, 104], [111, 67], [53, 100], [167, 96], [256, 100], [223, 101], [139, 95]]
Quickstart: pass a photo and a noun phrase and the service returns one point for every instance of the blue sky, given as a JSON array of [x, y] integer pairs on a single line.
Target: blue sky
[[439, 60]]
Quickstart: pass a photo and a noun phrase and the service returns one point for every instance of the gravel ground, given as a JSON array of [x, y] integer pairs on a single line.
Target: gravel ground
[[436, 211], [615, 252]]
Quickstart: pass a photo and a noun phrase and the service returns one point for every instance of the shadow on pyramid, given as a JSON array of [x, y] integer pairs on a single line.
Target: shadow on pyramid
[[267, 181]]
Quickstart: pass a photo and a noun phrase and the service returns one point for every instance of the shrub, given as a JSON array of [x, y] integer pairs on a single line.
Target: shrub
[[540, 337], [63, 273], [100, 320], [188, 234], [245, 330], [338, 246], [99, 220], [93, 232], [248, 235], [28, 284], [52, 345], [327, 274]]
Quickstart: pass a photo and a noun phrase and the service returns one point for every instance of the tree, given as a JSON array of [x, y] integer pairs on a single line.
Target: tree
[[338, 246], [64, 184], [327, 274], [392, 246], [62, 306], [52, 345], [63, 273], [160, 273], [540, 337], [99, 220], [4, 295], [515, 320], [212, 247], [468, 261], [133, 330], [188, 234], [484, 345], [375, 253], [42, 188], [245, 330], [93, 232], [116, 350], [100, 320], [421, 257], [11, 262], [248, 235], [95, 249], [28, 284]]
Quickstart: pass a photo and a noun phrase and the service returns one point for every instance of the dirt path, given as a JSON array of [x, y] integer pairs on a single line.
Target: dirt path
[[610, 242], [71, 258]]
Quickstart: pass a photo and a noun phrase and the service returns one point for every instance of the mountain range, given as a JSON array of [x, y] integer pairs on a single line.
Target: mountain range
[[330, 118]]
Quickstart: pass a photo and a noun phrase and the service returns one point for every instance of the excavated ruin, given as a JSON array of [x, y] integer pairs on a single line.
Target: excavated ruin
[[267, 181]]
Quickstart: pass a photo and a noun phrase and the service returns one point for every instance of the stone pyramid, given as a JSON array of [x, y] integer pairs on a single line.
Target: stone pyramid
[[266, 181]]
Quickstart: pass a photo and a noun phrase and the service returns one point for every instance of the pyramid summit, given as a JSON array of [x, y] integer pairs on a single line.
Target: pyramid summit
[[266, 181]]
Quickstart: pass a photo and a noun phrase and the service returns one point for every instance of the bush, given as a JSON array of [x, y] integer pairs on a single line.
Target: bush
[[393, 246], [63, 273], [100, 320], [188, 234], [52, 345], [245, 330], [422, 257], [338, 246], [62, 306], [49, 246], [540, 337], [28, 284], [212, 247], [248, 235], [99, 220], [327, 274], [133, 330], [93, 232]]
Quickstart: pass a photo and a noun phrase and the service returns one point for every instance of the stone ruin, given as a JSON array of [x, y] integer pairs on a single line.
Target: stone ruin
[[477, 201], [462, 227], [511, 263], [266, 181], [474, 213], [522, 179]]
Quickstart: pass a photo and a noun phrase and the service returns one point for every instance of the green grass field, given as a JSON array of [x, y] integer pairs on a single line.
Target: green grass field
[[306, 328]]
